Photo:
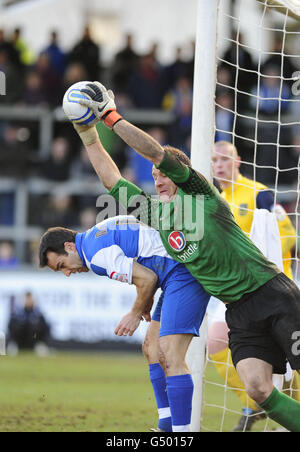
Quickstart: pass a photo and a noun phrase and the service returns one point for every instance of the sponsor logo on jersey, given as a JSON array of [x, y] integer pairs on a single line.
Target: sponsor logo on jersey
[[177, 241], [119, 277], [188, 252]]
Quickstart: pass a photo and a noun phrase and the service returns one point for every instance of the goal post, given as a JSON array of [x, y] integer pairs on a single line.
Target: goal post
[[204, 86], [238, 110], [201, 145]]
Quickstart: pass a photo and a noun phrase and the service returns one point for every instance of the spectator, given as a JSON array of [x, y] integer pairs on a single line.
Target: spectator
[[12, 53], [190, 64], [34, 93], [75, 72], [154, 54], [224, 116], [8, 259], [26, 56], [27, 327], [239, 59], [50, 79], [13, 79], [296, 143], [87, 53], [146, 86], [177, 69], [57, 166], [279, 59], [58, 209], [180, 101], [87, 218], [57, 56], [274, 154], [223, 78], [81, 168], [15, 158], [7, 208], [180, 98], [123, 66], [15, 161], [273, 94]]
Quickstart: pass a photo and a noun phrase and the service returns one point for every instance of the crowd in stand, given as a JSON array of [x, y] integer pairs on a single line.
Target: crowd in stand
[[139, 82]]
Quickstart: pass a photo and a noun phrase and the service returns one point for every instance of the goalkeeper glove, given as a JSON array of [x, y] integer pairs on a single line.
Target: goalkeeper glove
[[102, 103]]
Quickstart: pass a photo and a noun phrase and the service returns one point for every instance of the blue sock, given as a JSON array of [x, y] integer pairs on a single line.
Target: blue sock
[[158, 380], [180, 390]]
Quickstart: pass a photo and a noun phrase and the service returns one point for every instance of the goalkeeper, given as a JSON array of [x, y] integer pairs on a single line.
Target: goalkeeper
[[243, 195], [263, 305]]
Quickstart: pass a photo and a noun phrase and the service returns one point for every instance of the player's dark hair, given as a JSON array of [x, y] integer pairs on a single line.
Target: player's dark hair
[[54, 240], [179, 154]]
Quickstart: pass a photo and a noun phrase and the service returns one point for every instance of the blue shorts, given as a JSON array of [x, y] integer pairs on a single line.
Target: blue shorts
[[182, 305]]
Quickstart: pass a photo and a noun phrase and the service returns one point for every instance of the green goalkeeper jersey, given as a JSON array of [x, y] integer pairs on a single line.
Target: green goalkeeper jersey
[[197, 229]]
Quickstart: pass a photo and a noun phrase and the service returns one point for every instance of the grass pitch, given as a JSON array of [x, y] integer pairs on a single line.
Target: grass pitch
[[83, 392]]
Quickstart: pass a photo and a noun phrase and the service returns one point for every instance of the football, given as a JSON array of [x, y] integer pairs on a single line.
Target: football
[[78, 114]]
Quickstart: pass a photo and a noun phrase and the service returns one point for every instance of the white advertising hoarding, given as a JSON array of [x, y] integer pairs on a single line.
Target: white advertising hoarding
[[83, 308]]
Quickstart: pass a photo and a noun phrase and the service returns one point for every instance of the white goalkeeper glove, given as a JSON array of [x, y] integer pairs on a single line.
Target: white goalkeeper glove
[[101, 103]]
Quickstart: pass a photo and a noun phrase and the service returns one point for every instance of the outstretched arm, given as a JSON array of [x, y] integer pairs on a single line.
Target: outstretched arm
[[105, 167], [102, 103], [140, 141]]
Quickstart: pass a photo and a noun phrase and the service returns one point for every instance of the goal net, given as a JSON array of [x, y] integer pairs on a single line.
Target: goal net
[[257, 109]]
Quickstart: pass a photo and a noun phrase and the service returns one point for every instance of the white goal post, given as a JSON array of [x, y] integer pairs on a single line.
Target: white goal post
[[202, 139], [204, 125]]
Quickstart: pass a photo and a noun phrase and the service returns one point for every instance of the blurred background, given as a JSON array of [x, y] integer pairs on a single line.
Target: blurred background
[[144, 51]]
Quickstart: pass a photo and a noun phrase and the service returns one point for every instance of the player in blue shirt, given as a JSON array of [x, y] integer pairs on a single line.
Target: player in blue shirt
[[126, 250]]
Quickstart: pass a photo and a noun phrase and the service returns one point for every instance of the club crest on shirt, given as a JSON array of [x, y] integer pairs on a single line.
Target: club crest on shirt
[[177, 241], [243, 209]]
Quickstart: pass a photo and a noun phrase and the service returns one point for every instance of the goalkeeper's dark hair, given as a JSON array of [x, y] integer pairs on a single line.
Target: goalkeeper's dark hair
[[180, 155], [54, 240]]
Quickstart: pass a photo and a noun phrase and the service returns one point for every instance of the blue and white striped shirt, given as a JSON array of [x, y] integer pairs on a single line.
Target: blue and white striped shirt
[[111, 247]]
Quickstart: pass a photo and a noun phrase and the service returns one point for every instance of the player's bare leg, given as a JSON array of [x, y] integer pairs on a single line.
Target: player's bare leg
[[257, 379], [151, 343], [256, 376], [173, 349], [179, 381]]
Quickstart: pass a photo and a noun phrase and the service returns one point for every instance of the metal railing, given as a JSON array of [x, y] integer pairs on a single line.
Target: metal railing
[[21, 232]]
